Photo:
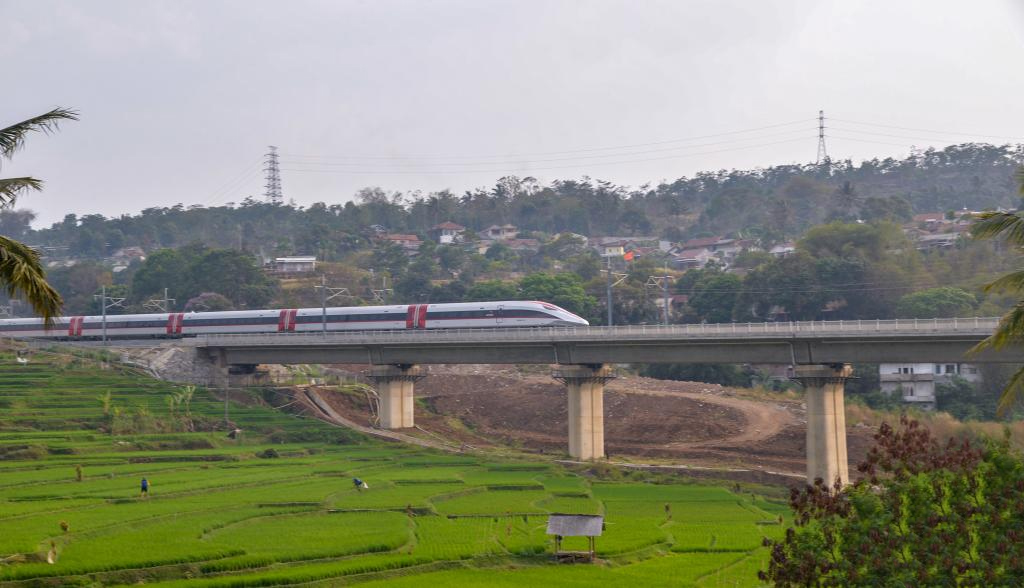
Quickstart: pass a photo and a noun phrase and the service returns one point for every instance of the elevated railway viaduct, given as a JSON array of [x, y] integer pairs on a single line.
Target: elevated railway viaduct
[[820, 354]]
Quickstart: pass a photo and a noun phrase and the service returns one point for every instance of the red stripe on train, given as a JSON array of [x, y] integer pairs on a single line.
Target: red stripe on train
[[292, 315], [410, 316], [423, 317]]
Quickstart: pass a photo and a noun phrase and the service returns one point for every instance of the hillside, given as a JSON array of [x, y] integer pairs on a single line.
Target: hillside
[[277, 505]]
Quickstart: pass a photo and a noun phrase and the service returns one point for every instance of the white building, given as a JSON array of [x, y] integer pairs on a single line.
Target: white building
[[916, 381], [295, 264]]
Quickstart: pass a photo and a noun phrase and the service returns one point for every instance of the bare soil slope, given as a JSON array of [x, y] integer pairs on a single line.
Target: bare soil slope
[[646, 420]]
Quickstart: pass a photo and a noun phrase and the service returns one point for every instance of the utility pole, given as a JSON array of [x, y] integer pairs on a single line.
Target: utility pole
[[663, 282], [381, 295], [608, 285], [822, 152], [105, 303], [160, 304], [327, 293], [612, 279]]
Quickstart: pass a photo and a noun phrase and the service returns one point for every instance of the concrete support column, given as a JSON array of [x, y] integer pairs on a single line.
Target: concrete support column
[[826, 421], [395, 390], [585, 386]]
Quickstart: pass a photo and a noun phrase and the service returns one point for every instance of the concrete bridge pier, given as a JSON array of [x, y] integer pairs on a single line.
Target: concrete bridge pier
[[585, 384], [395, 390], [826, 421]]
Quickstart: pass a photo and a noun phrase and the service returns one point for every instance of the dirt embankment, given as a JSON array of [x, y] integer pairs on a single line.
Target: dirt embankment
[[646, 420]]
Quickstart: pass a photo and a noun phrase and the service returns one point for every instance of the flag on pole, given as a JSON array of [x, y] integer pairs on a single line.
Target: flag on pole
[[628, 256]]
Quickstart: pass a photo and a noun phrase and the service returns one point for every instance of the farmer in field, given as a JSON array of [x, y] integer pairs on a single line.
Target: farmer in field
[[359, 484], [145, 488]]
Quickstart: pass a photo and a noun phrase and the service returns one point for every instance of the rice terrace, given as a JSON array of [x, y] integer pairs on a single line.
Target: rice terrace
[[276, 503]]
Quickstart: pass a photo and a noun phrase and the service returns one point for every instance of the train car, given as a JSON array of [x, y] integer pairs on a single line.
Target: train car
[[462, 315]]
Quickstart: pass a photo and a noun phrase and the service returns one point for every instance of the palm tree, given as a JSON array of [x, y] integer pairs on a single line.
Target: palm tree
[[1010, 226], [20, 269]]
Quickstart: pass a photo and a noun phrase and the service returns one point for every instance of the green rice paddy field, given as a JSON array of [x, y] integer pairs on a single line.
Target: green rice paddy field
[[225, 512]]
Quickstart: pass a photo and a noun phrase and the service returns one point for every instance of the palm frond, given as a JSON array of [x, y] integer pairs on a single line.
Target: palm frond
[[12, 138], [994, 224], [22, 275], [1009, 331], [12, 188], [1011, 282], [1011, 393]]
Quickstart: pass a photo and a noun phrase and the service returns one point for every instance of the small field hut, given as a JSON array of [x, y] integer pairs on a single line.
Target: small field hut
[[575, 525]]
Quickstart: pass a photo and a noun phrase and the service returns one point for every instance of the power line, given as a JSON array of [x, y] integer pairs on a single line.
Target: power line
[[918, 138], [926, 130], [542, 168], [803, 132], [563, 152], [235, 181], [871, 141]]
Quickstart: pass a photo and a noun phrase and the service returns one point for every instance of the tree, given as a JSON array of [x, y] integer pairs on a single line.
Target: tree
[[923, 514], [208, 302], [20, 268], [492, 290], [944, 302], [715, 296], [565, 290], [1010, 331]]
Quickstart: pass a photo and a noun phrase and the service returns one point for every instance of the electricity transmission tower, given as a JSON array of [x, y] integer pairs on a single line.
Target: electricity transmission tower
[[272, 189], [822, 152]]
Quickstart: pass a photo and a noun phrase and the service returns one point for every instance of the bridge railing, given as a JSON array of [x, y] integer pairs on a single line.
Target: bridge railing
[[891, 327]]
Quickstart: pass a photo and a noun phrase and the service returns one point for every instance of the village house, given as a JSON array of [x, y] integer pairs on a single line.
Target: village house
[[915, 382], [783, 249], [295, 264], [692, 258], [447, 232], [522, 244], [499, 232], [410, 243], [930, 221], [936, 241]]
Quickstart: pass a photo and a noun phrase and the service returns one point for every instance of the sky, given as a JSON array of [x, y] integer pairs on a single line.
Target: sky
[[180, 100]]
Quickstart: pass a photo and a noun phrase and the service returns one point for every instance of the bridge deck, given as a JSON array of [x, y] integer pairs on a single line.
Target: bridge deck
[[904, 340]]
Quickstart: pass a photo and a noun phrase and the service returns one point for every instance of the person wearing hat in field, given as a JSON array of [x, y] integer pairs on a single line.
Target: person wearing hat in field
[[145, 488]]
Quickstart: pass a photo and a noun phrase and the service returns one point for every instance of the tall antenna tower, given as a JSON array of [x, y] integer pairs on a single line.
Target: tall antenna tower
[[272, 189], [822, 152]]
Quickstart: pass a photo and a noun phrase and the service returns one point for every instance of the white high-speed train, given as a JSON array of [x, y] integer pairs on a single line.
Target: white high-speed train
[[300, 320]]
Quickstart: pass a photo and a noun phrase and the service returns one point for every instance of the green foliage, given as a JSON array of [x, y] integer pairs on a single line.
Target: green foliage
[[944, 302], [197, 270], [220, 513], [492, 290], [565, 290], [923, 514]]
